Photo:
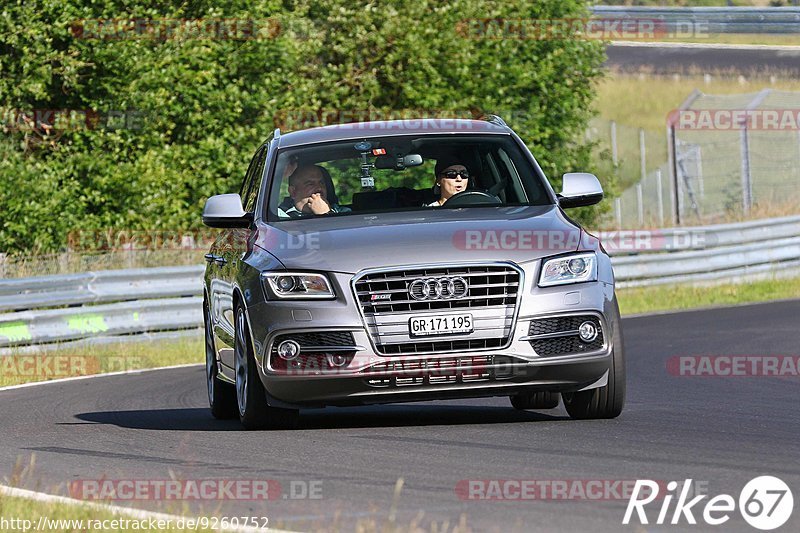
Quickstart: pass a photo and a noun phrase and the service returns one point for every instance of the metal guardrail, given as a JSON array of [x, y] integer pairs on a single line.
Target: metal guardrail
[[712, 19], [151, 302], [704, 255], [98, 287], [106, 303]]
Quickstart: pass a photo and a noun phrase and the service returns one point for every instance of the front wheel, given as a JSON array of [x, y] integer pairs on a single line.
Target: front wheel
[[254, 412], [221, 395], [606, 401]]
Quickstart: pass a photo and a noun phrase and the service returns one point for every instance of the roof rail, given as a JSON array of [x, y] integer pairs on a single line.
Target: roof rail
[[494, 119]]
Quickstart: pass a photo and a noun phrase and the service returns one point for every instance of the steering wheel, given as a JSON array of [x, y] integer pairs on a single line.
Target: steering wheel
[[465, 198]]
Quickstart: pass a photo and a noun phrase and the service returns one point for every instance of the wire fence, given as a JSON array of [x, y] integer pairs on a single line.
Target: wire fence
[[733, 153], [720, 158]]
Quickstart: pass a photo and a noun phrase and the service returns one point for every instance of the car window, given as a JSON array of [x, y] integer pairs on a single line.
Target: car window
[[252, 181], [385, 174]]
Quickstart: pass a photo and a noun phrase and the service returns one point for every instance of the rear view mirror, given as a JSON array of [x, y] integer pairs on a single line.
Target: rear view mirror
[[580, 189], [398, 162]]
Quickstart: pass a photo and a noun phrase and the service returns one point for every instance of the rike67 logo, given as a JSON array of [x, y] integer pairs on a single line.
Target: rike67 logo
[[765, 503]]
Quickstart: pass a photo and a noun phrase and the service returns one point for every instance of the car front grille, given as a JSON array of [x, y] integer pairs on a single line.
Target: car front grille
[[559, 335], [488, 292]]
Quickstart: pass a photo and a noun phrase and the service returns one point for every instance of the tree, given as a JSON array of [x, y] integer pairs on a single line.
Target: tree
[[167, 113]]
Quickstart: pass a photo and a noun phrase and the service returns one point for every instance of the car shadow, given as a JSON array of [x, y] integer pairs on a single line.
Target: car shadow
[[405, 415]]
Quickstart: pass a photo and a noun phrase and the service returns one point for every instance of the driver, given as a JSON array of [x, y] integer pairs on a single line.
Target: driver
[[451, 178], [308, 193]]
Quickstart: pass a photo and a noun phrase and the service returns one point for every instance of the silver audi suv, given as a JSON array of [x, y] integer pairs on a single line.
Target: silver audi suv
[[403, 261]]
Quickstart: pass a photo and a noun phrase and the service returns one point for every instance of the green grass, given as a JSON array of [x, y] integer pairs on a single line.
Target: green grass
[[672, 297], [644, 100], [25, 509], [68, 362]]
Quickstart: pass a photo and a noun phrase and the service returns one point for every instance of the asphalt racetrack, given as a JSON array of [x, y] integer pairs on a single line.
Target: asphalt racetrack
[[719, 431]]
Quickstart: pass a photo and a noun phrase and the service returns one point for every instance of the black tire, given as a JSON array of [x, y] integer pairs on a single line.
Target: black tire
[[606, 401], [535, 400], [251, 399], [221, 395]]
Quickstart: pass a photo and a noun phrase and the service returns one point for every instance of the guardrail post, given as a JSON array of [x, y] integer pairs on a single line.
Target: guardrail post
[[747, 185], [659, 197], [642, 155], [614, 152], [618, 210], [640, 204], [673, 175], [2, 265]]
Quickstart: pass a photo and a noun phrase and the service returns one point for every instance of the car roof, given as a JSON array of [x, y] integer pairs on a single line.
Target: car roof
[[416, 126]]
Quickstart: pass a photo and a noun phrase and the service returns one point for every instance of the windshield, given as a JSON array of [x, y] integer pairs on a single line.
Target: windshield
[[385, 174]]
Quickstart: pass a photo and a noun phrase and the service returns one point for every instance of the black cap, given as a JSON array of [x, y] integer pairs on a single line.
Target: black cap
[[446, 161]]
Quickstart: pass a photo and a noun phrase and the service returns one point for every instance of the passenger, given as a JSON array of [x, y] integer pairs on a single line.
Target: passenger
[[451, 178], [308, 193]]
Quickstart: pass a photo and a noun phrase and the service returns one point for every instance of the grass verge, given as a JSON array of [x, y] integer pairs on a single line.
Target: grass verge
[[22, 514], [22, 266], [679, 297], [770, 39], [87, 360], [644, 100]]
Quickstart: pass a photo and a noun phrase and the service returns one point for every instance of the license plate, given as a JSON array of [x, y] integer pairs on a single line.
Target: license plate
[[421, 326]]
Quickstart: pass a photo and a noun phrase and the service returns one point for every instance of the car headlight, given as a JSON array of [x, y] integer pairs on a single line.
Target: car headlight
[[575, 268], [297, 285]]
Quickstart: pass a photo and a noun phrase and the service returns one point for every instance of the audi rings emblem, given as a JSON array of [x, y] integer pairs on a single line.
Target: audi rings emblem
[[446, 288]]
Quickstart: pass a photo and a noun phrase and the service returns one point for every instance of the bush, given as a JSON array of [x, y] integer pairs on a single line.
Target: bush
[[179, 118]]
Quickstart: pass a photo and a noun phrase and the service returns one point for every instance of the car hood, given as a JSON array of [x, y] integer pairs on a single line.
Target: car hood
[[354, 242]]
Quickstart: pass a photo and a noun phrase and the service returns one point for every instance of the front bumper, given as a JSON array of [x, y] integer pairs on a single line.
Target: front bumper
[[372, 378]]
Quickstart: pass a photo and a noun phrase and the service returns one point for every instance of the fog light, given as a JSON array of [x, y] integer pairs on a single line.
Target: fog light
[[587, 331], [288, 350], [336, 360]]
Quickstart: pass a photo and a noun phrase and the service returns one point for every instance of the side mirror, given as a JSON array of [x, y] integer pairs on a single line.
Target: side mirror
[[580, 189], [226, 211]]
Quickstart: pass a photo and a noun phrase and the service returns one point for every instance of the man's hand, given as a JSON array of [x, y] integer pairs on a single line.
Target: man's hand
[[313, 204], [291, 166]]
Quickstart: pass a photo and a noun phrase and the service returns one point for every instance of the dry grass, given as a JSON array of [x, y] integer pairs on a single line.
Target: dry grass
[[21, 266], [643, 100], [773, 39]]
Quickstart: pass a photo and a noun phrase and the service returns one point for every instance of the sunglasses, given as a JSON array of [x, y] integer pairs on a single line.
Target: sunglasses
[[453, 174]]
